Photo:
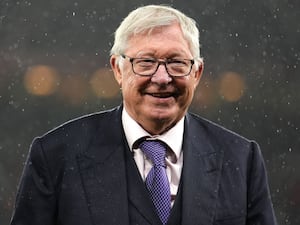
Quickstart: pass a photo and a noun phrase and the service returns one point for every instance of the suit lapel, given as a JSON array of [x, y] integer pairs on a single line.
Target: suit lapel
[[201, 175], [103, 173]]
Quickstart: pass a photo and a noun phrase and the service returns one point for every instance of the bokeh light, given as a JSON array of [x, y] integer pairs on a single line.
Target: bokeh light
[[103, 83], [41, 80], [74, 89], [232, 86]]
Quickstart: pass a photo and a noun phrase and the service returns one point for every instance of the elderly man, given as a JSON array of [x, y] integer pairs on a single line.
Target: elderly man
[[147, 161]]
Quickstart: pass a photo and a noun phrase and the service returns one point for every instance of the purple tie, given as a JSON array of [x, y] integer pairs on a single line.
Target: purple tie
[[157, 181]]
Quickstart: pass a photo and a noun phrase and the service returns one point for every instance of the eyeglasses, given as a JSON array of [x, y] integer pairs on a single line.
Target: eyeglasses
[[148, 66]]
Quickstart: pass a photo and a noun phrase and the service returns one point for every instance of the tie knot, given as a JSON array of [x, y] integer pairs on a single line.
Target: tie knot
[[155, 150]]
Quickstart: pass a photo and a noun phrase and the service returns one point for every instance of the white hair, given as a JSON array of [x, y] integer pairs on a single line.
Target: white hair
[[146, 18]]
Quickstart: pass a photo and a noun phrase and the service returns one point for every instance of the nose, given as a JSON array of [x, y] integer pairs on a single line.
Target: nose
[[161, 76]]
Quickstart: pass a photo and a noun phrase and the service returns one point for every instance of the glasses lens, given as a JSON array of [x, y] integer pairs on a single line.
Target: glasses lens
[[179, 67], [145, 66], [148, 66]]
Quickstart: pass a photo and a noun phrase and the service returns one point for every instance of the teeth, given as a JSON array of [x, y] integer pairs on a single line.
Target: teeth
[[166, 95]]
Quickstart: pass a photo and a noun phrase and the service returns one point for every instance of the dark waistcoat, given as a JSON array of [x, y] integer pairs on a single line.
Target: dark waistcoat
[[140, 208]]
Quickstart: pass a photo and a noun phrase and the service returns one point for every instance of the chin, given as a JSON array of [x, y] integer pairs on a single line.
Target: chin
[[163, 116]]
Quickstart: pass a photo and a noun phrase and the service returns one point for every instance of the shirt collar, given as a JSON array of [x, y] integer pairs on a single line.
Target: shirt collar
[[133, 131]]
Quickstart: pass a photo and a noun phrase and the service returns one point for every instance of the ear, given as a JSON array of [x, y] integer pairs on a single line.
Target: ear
[[116, 69], [198, 73]]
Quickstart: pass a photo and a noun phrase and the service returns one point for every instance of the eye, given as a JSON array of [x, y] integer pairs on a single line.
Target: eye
[[177, 62], [145, 62]]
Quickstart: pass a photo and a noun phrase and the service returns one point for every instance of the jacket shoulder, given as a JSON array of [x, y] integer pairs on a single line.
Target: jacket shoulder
[[74, 136], [234, 146], [215, 130], [81, 126], [60, 146]]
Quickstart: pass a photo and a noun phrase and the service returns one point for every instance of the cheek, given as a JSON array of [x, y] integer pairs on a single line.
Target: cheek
[[126, 76], [130, 87], [129, 83], [188, 92], [186, 85]]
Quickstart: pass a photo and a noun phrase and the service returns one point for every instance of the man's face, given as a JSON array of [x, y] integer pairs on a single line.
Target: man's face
[[156, 102]]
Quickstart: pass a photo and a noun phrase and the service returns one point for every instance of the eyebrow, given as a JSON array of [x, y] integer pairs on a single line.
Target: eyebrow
[[152, 54], [172, 56]]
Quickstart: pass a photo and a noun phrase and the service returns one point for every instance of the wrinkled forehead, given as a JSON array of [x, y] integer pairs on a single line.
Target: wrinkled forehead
[[150, 29]]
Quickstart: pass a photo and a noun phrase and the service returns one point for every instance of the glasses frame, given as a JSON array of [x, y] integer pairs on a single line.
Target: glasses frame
[[160, 62]]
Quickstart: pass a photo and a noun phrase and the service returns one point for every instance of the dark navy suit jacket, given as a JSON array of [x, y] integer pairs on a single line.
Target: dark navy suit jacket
[[77, 175]]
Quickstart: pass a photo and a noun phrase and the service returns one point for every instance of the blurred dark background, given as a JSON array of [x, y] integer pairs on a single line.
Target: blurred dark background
[[54, 66]]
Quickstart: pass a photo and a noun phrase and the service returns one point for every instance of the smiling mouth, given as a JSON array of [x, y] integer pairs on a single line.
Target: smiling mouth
[[162, 95]]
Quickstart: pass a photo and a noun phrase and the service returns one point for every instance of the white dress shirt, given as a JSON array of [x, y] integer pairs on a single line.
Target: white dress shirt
[[173, 138]]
